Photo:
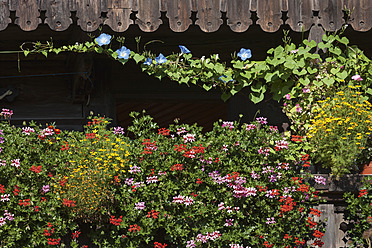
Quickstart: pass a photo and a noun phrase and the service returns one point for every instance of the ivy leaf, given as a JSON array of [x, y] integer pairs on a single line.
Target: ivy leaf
[[305, 81], [207, 87], [238, 65], [300, 73], [318, 83], [343, 40], [290, 64], [26, 52], [256, 98], [225, 96], [257, 87], [45, 53], [312, 70], [342, 75], [138, 58], [310, 44], [335, 70], [219, 68], [328, 81]]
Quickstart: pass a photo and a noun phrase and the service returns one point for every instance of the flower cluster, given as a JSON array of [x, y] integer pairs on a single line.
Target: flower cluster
[[197, 189], [340, 129]]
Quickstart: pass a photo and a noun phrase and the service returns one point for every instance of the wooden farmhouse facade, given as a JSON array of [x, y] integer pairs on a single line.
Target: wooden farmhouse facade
[[65, 88]]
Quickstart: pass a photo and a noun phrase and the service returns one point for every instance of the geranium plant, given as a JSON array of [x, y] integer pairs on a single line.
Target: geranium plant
[[359, 214], [340, 129], [236, 186]]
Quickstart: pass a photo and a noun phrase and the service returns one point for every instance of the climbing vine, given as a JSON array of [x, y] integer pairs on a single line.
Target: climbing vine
[[298, 74]]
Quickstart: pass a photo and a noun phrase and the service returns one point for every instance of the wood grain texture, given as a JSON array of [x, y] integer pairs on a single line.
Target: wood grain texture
[[57, 14], [118, 16], [27, 13], [238, 15], [209, 15], [330, 14], [269, 15], [179, 14], [300, 15], [4, 14], [89, 13], [361, 18], [148, 17], [316, 33]]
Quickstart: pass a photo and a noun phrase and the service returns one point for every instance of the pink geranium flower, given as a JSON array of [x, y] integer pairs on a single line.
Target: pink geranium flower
[[357, 78]]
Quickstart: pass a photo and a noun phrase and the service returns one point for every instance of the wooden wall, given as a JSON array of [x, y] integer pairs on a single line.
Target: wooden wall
[[300, 15]]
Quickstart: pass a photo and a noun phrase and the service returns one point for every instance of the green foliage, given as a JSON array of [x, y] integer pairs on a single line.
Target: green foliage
[[340, 129], [359, 215], [173, 186], [287, 69]]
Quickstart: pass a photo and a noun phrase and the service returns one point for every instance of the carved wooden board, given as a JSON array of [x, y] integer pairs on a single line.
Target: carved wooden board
[[209, 15], [28, 14], [4, 14], [269, 15], [239, 15], [361, 19], [330, 14], [89, 14], [148, 17], [300, 15], [179, 13], [118, 16], [57, 14]]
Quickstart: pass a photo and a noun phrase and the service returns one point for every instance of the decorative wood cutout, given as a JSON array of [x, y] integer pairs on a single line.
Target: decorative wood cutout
[[27, 12], [148, 17], [58, 14], [179, 14], [118, 16], [4, 14], [88, 12], [316, 33], [209, 15], [300, 15], [269, 14], [330, 14], [238, 15], [361, 19]]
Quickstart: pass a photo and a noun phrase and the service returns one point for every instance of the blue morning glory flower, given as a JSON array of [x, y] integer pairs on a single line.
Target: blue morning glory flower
[[184, 49], [123, 53], [245, 54], [148, 61], [103, 39], [223, 77], [161, 59]]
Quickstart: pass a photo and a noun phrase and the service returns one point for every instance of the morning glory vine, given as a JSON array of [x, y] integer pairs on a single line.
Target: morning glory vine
[[288, 68]]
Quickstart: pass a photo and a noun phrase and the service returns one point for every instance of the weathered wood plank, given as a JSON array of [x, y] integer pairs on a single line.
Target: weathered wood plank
[[104, 5], [28, 14], [333, 237], [179, 14], [253, 5], [148, 17], [300, 15], [209, 15], [4, 14], [239, 16], [88, 12], [57, 14], [361, 19], [118, 16], [331, 15], [269, 14], [13, 5]]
